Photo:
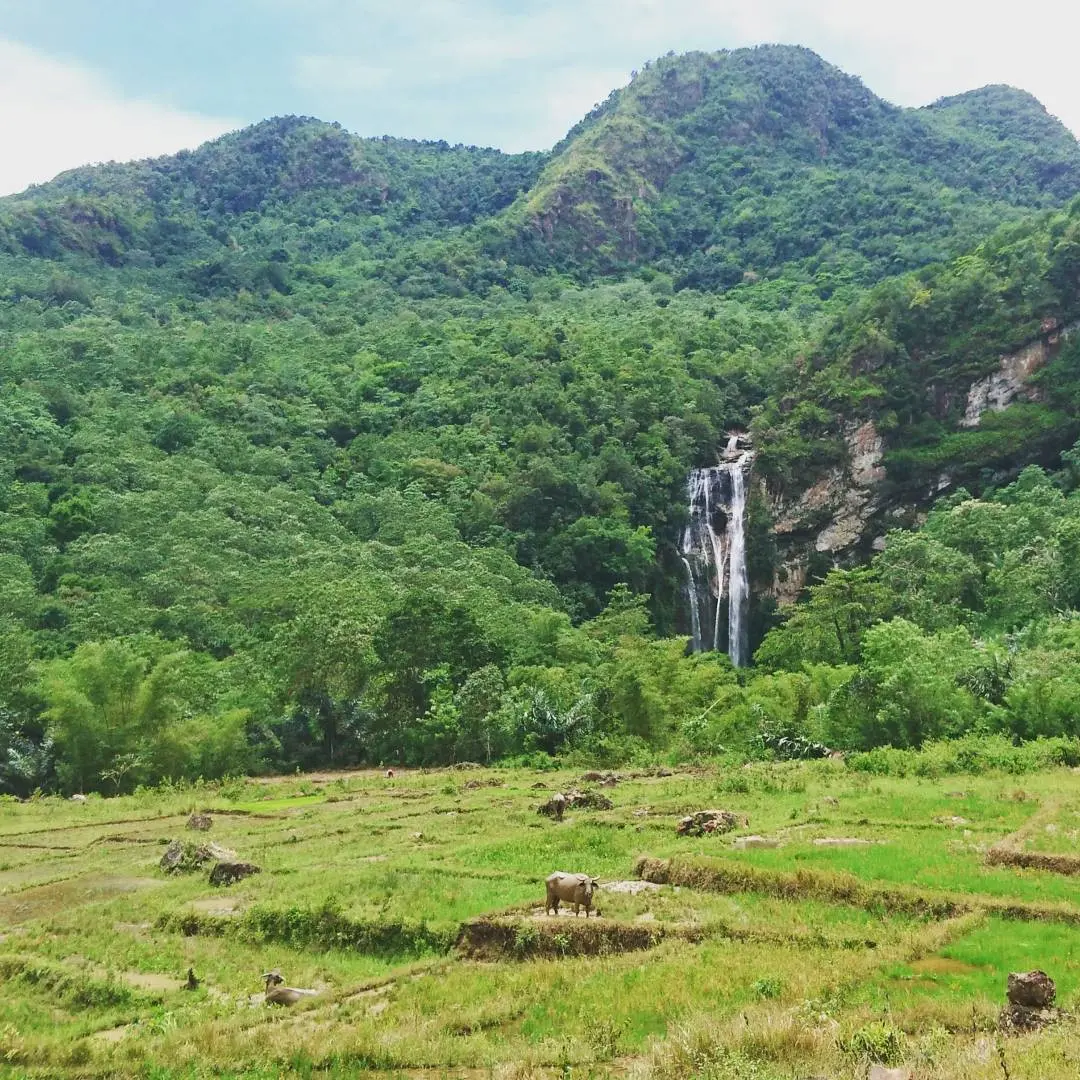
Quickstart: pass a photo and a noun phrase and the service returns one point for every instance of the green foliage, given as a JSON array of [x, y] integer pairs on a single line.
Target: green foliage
[[322, 451], [972, 754], [732, 167], [326, 926], [116, 715], [876, 1041]]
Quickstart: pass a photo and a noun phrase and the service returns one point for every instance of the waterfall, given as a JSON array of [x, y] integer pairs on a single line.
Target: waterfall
[[695, 609], [739, 586], [713, 552]]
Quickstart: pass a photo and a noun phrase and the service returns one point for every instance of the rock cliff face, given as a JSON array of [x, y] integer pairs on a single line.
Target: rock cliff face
[[832, 517], [847, 511], [1010, 382]]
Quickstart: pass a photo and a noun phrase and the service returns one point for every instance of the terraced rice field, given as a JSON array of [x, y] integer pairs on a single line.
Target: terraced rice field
[[874, 921]]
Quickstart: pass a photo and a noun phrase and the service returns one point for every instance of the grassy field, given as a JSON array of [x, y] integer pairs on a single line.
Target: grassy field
[[414, 905]]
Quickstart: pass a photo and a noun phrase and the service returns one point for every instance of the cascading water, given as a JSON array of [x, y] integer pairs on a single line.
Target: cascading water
[[715, 557], [738, 584]]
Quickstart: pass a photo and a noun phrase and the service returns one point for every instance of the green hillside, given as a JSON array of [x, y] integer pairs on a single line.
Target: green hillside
[[733, 166], [319, 450], [718, 168]]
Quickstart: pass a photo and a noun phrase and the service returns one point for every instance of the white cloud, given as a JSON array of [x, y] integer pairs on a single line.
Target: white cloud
[[54, 116], [519, 73], [512, 73], [329, 71]]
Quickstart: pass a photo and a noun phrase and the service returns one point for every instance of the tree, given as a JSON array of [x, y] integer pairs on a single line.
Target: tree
[[829, 626]]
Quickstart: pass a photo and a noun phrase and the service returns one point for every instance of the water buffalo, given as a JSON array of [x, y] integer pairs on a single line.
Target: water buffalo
[[279, 994], [576, 889]]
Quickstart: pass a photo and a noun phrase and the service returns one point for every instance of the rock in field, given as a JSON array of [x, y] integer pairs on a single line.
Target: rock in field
[[225, 873], [705, 822], [200, 822], [1030, 1002], [575, 800], [185, 857], [1032, 988], [840, 841], [607, 779]]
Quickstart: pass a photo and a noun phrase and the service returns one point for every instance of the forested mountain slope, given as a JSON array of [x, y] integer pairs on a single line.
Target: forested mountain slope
[[716, 168], [254, 209], [730, 166], [316, 449]]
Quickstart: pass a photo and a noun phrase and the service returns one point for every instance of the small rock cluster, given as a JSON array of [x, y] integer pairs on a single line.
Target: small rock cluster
[[1030, 1005], [704, 822], [604, 779], [186, 857], [574, 800]]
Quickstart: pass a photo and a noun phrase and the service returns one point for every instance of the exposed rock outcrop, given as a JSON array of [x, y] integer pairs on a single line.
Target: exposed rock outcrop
[[833, 515], [844, 500], [847, 508], [1011, 381]]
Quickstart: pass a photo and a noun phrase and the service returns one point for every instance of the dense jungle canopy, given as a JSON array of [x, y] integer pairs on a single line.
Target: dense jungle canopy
[[318, 450]]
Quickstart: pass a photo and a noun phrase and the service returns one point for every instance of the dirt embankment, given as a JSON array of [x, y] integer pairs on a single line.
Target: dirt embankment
[[716, 875], [495, 938]]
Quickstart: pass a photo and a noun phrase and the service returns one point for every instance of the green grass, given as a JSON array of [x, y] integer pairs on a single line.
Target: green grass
[[366, 882]]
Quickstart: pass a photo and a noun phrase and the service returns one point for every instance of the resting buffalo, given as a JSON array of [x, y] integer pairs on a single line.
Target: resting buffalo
[[576, 889]]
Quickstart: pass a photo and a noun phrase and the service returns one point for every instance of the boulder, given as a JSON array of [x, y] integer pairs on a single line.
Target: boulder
[[605, 779], [1030, 1005], [173, 859], [704, 822], [200, 822], [574, 800], [185, 857], [1017, 1018], [1034, 989], [225, 873]]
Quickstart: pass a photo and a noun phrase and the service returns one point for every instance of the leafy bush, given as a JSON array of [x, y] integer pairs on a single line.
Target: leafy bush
[[876, 1041], [971, 754]]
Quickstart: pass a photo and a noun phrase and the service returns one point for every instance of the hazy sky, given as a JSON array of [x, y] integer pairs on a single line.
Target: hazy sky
[[94, 80]]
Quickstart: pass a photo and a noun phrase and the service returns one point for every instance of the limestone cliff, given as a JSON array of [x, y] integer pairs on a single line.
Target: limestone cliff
[[849, 509]]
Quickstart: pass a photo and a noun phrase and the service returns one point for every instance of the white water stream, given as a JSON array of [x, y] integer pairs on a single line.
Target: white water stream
[[715, 559]]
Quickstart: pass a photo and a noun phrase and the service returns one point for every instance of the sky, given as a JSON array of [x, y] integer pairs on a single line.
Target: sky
[[84, 81]]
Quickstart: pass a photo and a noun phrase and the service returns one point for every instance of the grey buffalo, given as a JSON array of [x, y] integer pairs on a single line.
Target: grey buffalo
[[576, 889]]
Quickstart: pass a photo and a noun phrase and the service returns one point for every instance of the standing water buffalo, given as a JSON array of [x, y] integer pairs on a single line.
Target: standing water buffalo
[[576, 889]]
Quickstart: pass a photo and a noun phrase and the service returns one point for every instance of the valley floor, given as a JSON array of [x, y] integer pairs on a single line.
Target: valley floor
[[875, 920]]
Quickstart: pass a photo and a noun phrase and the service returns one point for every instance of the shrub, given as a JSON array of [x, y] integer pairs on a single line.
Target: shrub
[[876, 1041]]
